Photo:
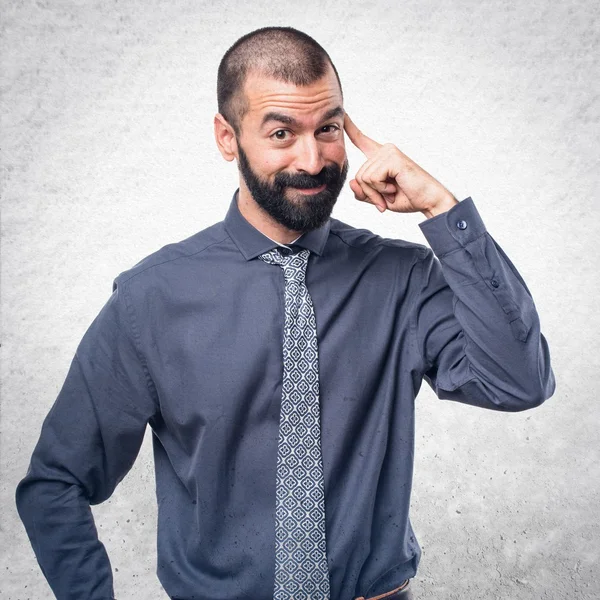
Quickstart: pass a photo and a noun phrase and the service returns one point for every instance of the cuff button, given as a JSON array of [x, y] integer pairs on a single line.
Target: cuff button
[[461, 224], [495, 283]]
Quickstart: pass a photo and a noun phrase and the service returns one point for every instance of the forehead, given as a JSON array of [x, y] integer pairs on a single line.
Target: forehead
[[264, 94]]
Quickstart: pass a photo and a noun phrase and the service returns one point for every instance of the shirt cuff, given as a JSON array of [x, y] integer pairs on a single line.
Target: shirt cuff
[[453, 229]]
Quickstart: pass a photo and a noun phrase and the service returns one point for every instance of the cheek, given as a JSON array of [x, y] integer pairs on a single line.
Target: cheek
[[272, 163], [336, 152]]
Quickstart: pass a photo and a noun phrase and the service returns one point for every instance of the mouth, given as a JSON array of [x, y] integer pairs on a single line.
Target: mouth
[[310, 191]]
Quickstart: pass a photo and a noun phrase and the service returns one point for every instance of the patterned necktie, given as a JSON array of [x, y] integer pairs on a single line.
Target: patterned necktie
[[300, 547]]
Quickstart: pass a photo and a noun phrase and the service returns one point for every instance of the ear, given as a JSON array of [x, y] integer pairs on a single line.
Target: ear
[[225, 138]]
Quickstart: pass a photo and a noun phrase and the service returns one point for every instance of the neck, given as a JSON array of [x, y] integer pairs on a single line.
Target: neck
[[256, 216]]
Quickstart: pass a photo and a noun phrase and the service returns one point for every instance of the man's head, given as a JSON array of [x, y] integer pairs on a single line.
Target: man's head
[[281, 116]]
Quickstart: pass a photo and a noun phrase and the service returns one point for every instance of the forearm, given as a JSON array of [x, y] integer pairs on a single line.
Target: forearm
[[61, 528], [490, 348]]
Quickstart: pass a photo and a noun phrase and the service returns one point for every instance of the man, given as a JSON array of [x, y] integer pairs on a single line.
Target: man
[[276, 356]]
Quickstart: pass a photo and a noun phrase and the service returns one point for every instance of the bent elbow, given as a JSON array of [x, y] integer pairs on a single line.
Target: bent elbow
[[534, 396], [502, 397]]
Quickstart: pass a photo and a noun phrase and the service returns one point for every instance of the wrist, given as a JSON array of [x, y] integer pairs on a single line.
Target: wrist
[[440, 207]]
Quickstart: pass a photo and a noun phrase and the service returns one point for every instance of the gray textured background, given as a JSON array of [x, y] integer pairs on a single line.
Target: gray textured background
[[108, 154]]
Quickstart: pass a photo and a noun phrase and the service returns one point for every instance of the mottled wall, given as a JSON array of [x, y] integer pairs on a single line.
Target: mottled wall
[[108, 154]]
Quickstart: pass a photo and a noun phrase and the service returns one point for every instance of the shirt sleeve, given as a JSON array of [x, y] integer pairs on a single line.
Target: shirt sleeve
[[477, 326], [88, 442]]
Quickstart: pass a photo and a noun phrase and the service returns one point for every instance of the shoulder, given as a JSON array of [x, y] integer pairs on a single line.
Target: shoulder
[[174, 255], [367, 241]]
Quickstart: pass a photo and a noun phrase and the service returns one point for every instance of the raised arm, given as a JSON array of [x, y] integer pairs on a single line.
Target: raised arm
[[477, 327], [476, 323]]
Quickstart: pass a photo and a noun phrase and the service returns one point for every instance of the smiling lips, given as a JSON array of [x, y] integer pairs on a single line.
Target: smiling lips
[[310, 191]]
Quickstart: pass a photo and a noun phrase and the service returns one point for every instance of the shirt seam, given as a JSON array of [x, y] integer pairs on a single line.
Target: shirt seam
[[381, 242], [461, 246], [426, 362], [91, 495], [131, 322], [346, 242], [420, 260], [164, 262]]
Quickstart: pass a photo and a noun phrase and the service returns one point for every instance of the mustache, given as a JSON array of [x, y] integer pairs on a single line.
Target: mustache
[[328, 174]]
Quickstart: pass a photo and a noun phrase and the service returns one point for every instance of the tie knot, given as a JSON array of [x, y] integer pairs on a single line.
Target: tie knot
[[293, 265]]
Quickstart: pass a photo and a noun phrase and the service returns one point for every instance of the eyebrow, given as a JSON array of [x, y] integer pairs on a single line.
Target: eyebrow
[[338, 111]]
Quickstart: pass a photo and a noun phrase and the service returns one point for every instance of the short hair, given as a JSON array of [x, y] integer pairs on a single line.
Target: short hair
[[283, 53]]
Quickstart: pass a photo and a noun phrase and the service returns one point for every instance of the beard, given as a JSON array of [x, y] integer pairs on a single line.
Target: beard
[[305, 213]]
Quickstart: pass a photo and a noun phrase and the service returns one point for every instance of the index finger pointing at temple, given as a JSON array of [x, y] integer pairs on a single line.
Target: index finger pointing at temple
[[364, 143]]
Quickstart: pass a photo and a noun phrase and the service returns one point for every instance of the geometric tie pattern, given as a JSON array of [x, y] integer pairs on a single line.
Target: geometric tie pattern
[[301, 571]]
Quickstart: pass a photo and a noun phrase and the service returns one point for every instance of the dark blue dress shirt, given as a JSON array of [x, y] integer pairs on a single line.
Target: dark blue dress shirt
[[190, 342]]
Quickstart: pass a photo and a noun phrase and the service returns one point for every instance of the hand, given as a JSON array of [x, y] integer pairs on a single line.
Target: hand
[[389, 179]]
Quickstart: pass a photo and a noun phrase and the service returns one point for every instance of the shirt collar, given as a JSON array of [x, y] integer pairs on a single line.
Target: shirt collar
[[252, 242], [285, 245]]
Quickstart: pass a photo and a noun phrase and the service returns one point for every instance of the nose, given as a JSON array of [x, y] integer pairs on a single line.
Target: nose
[[309, 158]]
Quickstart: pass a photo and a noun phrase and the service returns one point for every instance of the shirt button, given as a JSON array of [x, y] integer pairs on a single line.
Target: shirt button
[[495, 282], [461, 224]]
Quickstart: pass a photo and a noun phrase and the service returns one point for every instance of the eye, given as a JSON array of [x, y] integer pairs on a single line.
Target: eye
[[329, 129], [280, 135]]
